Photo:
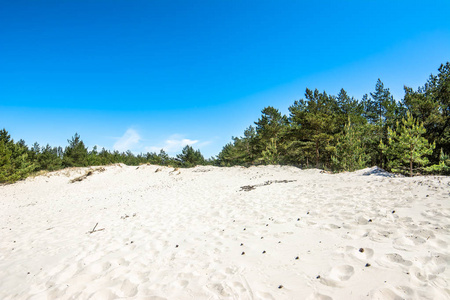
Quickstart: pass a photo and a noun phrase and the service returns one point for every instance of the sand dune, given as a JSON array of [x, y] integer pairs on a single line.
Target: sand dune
[[197, 233]]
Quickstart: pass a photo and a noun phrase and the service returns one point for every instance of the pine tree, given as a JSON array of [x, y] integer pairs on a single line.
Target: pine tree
[[76, 154], [314, 122], [350, 152], [14, 161], [190, 157], [407, 148], [270, 129], [48, 158]]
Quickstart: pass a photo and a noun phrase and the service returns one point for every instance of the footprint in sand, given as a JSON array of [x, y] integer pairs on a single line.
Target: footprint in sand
[[317, 296], [337, 275], [385, 294], [390, 258], [129, 289]]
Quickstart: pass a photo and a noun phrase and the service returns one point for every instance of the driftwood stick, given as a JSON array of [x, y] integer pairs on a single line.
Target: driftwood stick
[[94, 228]]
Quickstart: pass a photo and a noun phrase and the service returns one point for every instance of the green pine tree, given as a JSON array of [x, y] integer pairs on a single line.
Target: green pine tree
[[76, 154], [350, 152], [14, 161], [407, 148]]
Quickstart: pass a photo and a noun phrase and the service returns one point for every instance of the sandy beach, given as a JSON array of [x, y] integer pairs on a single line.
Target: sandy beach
[[266, 232]]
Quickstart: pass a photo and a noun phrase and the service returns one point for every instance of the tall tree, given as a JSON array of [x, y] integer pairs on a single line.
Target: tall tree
[[190, 157], [270, 128], [350, 153], [76, 154], [314, 123], [14, 161], [407, 148], [430, 104]]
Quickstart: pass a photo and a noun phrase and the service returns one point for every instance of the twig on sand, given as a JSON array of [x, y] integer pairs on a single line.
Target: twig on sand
[[93, 230], [88, 173], [248, 188]]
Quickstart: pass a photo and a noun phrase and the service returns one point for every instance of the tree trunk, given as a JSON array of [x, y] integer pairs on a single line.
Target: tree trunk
[[317, 154], [411, 163]]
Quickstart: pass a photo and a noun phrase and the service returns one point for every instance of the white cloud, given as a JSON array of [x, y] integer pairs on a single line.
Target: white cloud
[[128, 141], [174, 144]]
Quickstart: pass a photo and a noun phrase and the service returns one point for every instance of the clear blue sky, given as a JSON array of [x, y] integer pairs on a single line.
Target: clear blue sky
[[150, 74]]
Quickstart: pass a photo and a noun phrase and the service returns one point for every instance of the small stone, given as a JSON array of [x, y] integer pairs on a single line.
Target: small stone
[[245, 229], [318, 277], [297, 257], [280, 286], [298, 219], [367, 265], [242, 244], [370, 220], [28, 273], [307, 213], [264, 252], [267, 224], [393, 211], [176, 246], [262, 237], [243, 253], [361, 250]]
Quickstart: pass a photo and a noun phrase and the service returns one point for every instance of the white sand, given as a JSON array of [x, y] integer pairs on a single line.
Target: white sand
[[47, 252]]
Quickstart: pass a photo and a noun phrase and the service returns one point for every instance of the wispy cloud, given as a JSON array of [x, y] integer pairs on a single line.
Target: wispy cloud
[[173, 144], [128, 141]]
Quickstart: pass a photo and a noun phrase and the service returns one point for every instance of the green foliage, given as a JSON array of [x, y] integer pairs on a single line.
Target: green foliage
[[443, 167], [76, 154], [270, 130], [50, 158], [314, 123], [350, 152], [407, 148], [430, 104], [190, 157], [14, 161], [337, 132]]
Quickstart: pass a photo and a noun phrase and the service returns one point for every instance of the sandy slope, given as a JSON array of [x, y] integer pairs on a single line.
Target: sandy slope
[[194, 234]]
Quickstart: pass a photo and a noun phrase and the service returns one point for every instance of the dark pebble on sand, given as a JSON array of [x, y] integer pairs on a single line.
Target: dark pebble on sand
[[367, 265], [370, 220], [307, 213], [298, 219], [242, 244], [361, 250], [245, 228], [393, 211], [280, 286], [262, 237], [267, 224], [318, 277], [297, 257], [243, 253], [176, 246], [264, 252]]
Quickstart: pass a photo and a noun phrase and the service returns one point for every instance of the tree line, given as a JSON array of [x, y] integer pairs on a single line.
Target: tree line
[[17, 160], [341, 133], [338, 133]]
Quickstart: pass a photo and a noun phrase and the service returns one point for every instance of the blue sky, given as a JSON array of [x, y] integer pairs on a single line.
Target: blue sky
[[145, 75]]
